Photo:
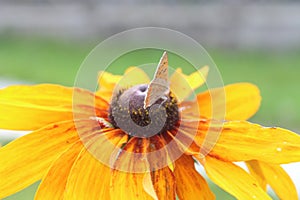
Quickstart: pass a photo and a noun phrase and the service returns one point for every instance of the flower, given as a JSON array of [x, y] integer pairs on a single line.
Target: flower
[[70, 139]]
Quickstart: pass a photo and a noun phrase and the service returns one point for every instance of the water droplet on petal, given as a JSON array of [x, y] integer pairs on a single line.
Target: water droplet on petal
[[278, 149]]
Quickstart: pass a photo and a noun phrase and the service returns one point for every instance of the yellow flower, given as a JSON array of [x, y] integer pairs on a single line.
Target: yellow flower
[[56, 153]]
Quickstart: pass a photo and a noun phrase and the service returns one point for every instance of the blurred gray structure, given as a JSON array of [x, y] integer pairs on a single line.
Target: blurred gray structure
[[234, 24]]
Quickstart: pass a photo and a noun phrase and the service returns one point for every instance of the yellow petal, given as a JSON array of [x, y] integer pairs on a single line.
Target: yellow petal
[[90, 168], [279, 180], [233, 179], [241, 102], [198, 78], [148, 186], [275, 176], [183, 85], [107, 81], [31, 107], [243, 141], [256, 172], [88, 179], [189, 183], [54, 183], [125, 185], [133, 76], [27, 159]]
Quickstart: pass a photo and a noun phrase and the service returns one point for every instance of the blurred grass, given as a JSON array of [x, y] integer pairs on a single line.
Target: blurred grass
[[41, 60], [276, 74]]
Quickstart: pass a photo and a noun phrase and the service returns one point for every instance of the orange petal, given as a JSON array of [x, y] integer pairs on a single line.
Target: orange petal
[[162, 176], [183, 85], [127, 184], [88, 178], [137, 185], [105, 94], [164, 183], [256, 172], [132, 158], [31, 107], [160, 147], [107, 81], [243, 141], [105, 140], [241, 102], [157, 150], [27, 159], [86, 104], [189, 183], [233, 179], [182, 144], [54, 183], [279, 180]]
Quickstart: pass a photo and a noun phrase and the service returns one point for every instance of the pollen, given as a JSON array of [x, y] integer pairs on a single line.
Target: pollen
[[127, 112]]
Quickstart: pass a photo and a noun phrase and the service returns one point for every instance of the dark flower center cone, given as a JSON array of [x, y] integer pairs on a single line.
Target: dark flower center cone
[[127, 112]]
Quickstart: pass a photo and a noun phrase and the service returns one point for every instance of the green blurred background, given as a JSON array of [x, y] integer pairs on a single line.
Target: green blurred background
[[276, 73], [46, 41]]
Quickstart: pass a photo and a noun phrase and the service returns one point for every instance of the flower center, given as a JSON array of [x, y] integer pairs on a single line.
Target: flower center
[[127, 112]]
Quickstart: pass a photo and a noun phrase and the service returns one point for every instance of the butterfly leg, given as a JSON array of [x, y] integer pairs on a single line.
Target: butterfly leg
[[164, 100], [102, 121]]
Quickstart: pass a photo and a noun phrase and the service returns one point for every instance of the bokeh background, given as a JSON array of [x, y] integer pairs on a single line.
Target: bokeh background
[[254, 41]]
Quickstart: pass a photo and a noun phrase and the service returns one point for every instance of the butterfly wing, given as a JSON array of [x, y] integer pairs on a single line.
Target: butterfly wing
[[159, 86]]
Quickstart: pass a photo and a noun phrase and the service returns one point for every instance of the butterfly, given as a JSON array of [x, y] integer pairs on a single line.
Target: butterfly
[[159, 86]]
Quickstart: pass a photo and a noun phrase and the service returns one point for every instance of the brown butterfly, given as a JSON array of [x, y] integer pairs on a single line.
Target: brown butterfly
[[159, 86]]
